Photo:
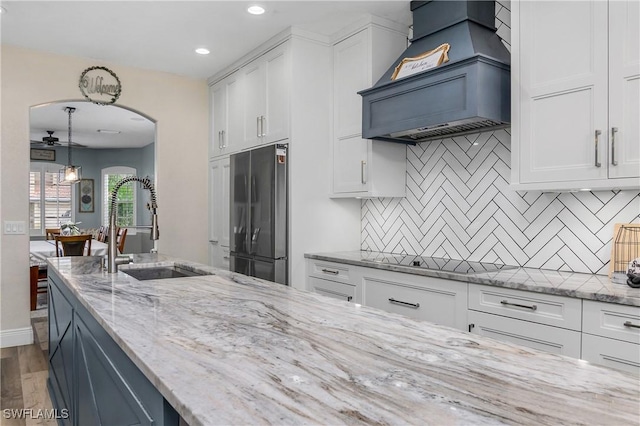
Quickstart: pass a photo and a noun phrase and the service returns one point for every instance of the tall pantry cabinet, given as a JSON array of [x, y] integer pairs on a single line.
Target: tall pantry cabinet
[[576, 95], [281, 93], [364, 168]]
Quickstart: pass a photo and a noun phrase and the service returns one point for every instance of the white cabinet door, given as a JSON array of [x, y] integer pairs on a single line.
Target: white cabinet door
[[266, 97], [253, 80], [436, 300], [226, 106], [218, 105], [358, 169], [232, 138], [340, 291], [611, 353], [563, 79], [219, 174], [532, 335], [352, 69], [276, 86], [215, 210], [350, 164], [225, 201], [624, 89]]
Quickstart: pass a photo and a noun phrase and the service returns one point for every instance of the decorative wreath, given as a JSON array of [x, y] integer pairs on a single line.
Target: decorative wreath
[[116, 95]]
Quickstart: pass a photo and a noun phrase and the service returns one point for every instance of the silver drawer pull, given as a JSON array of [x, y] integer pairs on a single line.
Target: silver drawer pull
[[598, 133], [630, 324], [614, 130], [329, 271], [532, 307], [335, 293], [400, 302]]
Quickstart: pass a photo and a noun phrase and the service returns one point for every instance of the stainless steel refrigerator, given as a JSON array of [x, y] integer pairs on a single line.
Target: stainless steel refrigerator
[[258, 216]]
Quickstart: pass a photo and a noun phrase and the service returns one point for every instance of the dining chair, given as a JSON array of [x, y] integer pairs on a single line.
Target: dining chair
[[38, 282], [102, 233], [51, 232], [121, 235], [73, 245]]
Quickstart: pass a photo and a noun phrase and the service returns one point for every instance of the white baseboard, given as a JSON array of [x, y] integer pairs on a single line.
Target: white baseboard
[[16, 337]]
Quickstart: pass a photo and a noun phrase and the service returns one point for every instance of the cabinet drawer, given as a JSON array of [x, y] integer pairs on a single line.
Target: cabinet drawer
[[611, 353], [329, 270], [430, 299], [557, 311], [610, 320], [536, 336], [333, 289]]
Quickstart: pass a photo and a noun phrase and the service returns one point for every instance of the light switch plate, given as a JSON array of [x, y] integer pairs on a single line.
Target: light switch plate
[[14, 227]]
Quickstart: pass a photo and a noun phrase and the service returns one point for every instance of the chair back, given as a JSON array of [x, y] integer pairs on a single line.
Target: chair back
[[120, 237], [103, 233], [73, 245], [51, 232]]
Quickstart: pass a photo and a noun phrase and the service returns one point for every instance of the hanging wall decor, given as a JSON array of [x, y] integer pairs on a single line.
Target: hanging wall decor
[[85, 196], [100, 85]]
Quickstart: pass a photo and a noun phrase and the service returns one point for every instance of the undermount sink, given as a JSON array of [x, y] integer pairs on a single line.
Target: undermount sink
[[161, 272]]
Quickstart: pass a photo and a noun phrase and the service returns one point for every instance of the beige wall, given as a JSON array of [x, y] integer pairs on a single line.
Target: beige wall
[[179, 105]]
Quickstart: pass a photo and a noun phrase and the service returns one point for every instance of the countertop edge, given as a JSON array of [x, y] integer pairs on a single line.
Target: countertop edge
[[496, 280]]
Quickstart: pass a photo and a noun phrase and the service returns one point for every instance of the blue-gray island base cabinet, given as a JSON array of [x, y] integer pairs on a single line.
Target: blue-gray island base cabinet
[[227, 349], [90, 376]]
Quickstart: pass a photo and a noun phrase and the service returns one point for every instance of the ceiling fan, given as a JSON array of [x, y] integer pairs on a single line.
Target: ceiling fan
[[54, 141]]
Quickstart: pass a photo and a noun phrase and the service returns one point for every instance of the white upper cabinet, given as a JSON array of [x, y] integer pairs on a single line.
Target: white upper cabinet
[[575, 90], [624, 89], [361, 167], [226, 109], [266, 97]]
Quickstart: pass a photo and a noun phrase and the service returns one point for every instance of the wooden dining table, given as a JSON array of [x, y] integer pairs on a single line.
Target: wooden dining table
[[41, 249]]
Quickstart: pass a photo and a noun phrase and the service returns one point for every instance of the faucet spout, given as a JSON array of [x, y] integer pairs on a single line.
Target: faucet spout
[[113, 259]]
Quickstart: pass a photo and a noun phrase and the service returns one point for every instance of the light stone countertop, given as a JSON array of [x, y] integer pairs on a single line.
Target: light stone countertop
[[227, 349], [571, 284]]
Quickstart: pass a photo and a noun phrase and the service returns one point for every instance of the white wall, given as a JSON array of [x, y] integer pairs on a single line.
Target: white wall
[[179, 105]]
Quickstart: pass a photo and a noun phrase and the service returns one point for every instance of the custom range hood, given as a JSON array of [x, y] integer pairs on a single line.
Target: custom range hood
[[431, 97]]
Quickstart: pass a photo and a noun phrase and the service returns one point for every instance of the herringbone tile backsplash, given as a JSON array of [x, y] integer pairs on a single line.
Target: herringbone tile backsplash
[[459, 206]]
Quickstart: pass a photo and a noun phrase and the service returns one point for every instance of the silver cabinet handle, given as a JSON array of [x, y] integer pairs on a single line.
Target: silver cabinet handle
[[363, 165], [225, 257], [630, 324], [213, 241], [224, 138], [614, 130], [258, 127], [532, 307], [335, 293], [598, 133], [219, 140], [262, 120], [400, 302], [329, 271]]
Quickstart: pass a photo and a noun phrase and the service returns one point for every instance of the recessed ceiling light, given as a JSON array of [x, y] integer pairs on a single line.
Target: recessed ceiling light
[[110, 132], [255, 10], [202, 51]]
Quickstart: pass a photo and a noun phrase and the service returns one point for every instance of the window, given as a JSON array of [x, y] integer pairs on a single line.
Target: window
[[50, 203], [126, 201]]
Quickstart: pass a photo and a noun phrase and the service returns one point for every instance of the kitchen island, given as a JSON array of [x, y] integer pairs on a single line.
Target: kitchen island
[[230, 349]]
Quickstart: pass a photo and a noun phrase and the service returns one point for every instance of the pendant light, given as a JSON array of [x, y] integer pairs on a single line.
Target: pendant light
[[70, 173]]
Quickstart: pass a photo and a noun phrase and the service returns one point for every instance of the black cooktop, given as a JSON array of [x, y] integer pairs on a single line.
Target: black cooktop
[[436, 263]]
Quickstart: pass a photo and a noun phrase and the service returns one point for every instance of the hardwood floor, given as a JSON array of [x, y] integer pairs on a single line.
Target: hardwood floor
[[23, 377]]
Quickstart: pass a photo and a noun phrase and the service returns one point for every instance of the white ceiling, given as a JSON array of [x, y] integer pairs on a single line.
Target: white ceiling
[[135, 130], [161, 36]]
